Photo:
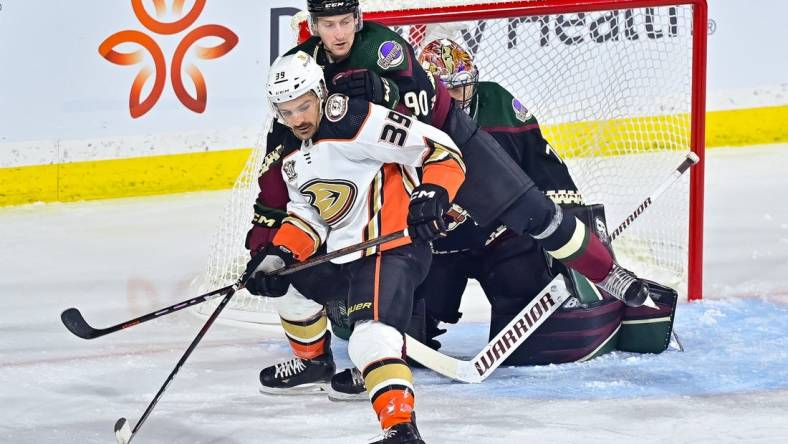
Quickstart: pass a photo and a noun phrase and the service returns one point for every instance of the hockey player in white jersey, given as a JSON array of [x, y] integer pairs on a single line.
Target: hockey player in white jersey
[[351, 176]]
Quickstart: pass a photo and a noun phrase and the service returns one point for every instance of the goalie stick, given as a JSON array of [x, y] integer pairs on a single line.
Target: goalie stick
[[690, 160], [501, 346], [75, 323], [123, 431], [519, 329]]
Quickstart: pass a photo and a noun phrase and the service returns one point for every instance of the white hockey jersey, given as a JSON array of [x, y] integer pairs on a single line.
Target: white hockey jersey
[[352, 181]]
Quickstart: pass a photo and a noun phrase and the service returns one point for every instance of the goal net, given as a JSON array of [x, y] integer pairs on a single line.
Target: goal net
[[617, 87]]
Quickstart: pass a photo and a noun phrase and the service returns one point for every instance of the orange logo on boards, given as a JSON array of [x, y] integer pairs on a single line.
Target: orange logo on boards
[[197, 104]]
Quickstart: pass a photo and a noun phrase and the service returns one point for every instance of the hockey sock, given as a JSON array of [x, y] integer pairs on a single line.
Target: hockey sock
[[377, 349], [571, 241], [389, 383], [308, 338], [594, 262]]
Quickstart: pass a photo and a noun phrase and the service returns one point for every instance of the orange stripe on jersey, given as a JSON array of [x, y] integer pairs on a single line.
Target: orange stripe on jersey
[[394, 213], [446, 173], [377, 287], [443, 166], [296, 240]]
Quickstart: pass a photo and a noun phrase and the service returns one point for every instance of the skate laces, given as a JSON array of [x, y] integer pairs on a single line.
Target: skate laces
[[356, 377], [618, 281], [288, 368], [389, 433]]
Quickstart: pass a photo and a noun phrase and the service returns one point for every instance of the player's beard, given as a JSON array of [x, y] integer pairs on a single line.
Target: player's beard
[[305, 131]]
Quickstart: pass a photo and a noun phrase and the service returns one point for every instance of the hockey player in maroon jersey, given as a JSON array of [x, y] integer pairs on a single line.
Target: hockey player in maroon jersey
[[350, 171], [362, 58]]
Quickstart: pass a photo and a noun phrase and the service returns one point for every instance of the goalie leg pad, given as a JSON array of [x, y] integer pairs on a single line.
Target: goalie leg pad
[[509, 288], [572, 334], [645, 330]]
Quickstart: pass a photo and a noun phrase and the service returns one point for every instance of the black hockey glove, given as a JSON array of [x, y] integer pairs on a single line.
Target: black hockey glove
[[359, 83], [428, 204], [257, 276]]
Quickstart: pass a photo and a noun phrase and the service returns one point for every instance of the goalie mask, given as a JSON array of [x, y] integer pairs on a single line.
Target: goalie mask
[[328, 8], [451, 63], [292, 76]]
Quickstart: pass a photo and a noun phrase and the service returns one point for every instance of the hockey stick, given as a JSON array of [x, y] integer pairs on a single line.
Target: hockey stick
[[501, 346], [515, 334], [75, 323], [124, 433], [690, 160]]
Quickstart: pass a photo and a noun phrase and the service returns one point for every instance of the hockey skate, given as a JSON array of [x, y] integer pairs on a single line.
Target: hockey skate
[[298, 376], [403, 433], [347, 385], [623, 285]]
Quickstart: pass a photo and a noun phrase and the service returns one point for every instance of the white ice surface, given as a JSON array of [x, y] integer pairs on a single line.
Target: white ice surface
[[115, 260]]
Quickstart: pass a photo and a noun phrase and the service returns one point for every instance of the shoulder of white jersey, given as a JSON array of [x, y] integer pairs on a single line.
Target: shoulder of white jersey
[[343, 117]]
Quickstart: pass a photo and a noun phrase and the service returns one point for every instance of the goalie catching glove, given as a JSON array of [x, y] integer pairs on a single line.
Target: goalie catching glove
[[428, 204], [361, 83], [257, 277]]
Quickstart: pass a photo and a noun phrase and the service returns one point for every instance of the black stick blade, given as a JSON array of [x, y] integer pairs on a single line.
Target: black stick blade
[[76, 324]]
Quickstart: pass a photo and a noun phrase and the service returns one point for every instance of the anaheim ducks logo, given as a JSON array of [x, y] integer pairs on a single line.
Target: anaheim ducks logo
[[333, 199]]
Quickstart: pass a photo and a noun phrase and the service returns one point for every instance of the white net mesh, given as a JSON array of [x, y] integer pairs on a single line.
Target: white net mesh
[[228, 254], [612, 91]]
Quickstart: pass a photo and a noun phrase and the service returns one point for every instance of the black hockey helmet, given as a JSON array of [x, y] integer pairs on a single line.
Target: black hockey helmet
[[321, 8], [327, 8]]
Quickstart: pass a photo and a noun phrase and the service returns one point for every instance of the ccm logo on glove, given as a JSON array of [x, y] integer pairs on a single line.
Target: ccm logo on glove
[[428, 204], [422, 194]]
